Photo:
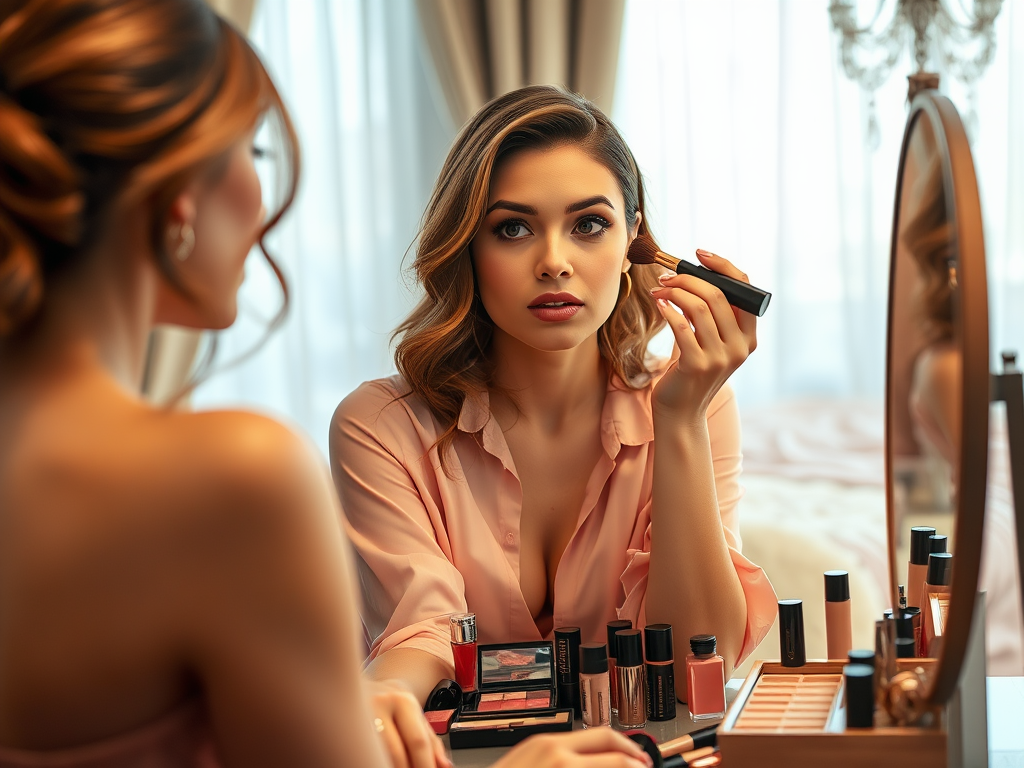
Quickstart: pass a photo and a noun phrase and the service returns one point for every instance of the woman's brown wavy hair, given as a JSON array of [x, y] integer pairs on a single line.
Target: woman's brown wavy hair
[[104, 101], [929, 238], [442, 352]]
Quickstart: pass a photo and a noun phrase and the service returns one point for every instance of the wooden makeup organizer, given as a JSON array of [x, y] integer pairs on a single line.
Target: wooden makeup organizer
[[792, 716]]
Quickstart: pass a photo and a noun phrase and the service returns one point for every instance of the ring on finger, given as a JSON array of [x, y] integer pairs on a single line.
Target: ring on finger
[[378, 725]]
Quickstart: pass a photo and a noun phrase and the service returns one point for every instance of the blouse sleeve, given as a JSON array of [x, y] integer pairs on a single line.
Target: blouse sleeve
[[724, 433], [409, 584]]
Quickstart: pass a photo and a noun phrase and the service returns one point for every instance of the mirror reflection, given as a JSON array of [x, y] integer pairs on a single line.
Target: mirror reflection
[[926, 386], [504, 665]]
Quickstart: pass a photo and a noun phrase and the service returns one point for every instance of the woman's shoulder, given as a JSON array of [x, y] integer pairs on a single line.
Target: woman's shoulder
[[388, 409]]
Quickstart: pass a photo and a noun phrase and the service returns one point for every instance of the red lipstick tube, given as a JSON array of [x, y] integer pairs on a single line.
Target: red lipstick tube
[[463, 629]]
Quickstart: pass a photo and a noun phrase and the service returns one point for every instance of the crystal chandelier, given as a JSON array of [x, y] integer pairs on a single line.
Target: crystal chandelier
[[961, 41]]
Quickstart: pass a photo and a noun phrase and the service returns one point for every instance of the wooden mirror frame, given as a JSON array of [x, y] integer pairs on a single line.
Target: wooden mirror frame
[[970, 328]]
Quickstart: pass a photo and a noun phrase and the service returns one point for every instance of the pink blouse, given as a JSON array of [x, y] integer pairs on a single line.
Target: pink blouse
[[428, 546]]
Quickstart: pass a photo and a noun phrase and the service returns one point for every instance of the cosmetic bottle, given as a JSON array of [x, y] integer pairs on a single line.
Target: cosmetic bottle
[[920, 548], [613, 645], [567, 660], [463, 630], [632, 683], [595, 688], [859, 695], [705, 679], [838, 627], [936, 606], [661, 673], [937, 543], [791, 633]]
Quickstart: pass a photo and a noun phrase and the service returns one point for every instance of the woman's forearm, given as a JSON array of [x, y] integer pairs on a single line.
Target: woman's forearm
[[692, 583], [418, 670]]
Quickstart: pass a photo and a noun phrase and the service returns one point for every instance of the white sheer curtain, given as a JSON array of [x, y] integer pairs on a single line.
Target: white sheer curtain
[[372, 141], [754, 145]]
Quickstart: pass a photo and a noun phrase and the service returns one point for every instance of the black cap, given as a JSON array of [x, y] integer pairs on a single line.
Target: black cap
[[861, 656], [791, 633], [937, 543], [703, 645], [920, 547], [658, 642], [905, 647], [837, 586], [613, 627], [905, 624], [593, 658], [940, 569], [631, 648], [859, 682]]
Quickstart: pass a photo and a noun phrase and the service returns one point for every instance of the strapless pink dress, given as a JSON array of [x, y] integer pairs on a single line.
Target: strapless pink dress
[[180, 739]]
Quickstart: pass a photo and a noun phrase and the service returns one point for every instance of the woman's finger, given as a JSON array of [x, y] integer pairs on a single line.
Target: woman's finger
[[725, 315], [746, 321], [697, 312], [394, 744], [604, 740], [414, 732], [681, 330]]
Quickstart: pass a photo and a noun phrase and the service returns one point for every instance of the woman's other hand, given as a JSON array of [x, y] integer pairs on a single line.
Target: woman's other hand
[[399, 720], [714, 338], [591, 748]]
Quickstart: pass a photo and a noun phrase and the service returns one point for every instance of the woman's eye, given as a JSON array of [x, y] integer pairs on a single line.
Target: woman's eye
[[259, 152], [592, 226], [511, 230]]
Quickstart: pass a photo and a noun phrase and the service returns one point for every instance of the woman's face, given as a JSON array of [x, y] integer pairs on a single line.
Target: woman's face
[[227, 217], [550, 253]]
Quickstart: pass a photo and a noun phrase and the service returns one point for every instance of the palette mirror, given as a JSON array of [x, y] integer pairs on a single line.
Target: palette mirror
[[937, 385], [516, 663]]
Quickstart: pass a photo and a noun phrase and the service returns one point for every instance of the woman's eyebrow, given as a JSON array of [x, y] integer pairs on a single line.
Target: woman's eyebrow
[[595, 200], [508, 205]]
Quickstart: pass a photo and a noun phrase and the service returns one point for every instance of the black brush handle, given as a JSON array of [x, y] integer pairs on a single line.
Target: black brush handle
[[741, 295]]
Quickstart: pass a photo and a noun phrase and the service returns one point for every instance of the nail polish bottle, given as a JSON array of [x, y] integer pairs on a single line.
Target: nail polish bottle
[[463, 631], [567, 659], [661, 674], [917, 569], [632, 681], [791, 633], [838, 626], [613, 654], [705, 679], [595, 687]]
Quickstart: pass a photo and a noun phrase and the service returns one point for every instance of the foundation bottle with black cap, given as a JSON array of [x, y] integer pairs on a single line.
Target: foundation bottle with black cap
[[631, 679], [661, 673]]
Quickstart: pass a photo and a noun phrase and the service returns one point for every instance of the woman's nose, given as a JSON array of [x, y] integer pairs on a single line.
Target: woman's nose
[[555, 261]]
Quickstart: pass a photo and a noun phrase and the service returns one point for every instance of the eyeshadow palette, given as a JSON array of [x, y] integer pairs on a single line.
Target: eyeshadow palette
[[784, 703], [475, 730], [514, 677], [491, 702]]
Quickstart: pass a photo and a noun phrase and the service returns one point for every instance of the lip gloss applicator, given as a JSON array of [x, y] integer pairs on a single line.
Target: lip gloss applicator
[[643, 250]]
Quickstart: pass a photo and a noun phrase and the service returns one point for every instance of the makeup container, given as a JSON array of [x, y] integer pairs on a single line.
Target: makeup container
[[443, 705], [595, 689], [920, 548], [791, 633], [705, 679], [936, 606], [859, 695], [613, 654], [515, 697], [632, 682], [567, 661], [838, 627], [937, 543], [661, 674], [861, 656], [463, 632]]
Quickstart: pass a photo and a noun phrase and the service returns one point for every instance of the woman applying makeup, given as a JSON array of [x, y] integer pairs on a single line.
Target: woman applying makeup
[[175, 589], [509, 470]]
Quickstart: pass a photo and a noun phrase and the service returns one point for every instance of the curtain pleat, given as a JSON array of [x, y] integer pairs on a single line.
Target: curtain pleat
[[484, 48]]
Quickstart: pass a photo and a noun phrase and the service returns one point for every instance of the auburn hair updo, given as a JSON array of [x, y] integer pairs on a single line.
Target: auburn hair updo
[[442, 352], [103, 101]]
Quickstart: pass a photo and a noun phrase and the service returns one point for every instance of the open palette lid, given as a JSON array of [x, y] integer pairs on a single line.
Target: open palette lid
[[528, 666], [938, 309]]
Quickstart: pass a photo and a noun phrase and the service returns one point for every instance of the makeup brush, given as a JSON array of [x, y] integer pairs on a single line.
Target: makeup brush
[[677, 753], [643, 250]]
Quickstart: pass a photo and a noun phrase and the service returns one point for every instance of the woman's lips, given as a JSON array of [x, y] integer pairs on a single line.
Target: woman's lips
[[555, 314]]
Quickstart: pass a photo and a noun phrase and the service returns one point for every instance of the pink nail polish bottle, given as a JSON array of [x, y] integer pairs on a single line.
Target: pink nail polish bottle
[[705, 679], [463, 632]]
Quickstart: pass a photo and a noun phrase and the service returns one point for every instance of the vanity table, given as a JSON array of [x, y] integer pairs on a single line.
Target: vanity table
[[1005, 735]]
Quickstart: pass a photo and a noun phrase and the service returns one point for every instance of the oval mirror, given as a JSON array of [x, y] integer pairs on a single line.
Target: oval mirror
[[937, 382]]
